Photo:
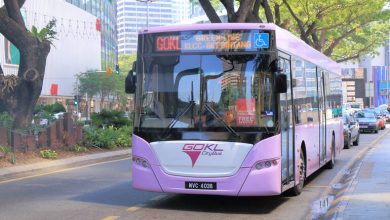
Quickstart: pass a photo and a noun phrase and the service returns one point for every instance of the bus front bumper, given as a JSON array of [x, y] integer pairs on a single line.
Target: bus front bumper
[[247, 181]]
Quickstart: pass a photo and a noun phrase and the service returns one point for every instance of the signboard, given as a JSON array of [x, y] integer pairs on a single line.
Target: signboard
[[54, 89], [203, 41], [262, 40], [246, 112]]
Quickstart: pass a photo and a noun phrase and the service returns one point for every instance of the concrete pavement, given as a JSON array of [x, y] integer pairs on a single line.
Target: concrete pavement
[[363, 189], [370, 190], [10, 173]]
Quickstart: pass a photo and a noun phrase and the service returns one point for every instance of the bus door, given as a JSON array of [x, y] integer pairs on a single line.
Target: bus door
[[322, 115], [286, 125]]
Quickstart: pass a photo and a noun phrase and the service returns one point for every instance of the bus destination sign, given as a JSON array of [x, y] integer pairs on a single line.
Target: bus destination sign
[[204, 42]]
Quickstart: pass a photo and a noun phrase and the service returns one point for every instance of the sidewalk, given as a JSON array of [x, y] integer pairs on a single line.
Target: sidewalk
[[9, 173], [369, 196]]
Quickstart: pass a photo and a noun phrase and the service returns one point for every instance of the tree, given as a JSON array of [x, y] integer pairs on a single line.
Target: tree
[[341, 29], [125, 62], [19, 93], [97, 83]]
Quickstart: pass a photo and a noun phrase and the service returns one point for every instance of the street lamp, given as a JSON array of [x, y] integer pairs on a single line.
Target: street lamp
[[147, 10]]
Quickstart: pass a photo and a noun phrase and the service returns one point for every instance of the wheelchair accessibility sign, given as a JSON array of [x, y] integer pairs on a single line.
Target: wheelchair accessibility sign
[[261, 40]]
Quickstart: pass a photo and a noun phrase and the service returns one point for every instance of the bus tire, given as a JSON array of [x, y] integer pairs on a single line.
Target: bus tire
[[297, 189], [332, 161]]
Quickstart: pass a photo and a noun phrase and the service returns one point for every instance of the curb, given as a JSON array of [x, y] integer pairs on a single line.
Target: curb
[[345, 177], [23, 171]]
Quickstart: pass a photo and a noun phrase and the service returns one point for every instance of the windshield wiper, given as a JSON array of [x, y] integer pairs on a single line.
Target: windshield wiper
[[220, 119], [204, 100], [189, 106]]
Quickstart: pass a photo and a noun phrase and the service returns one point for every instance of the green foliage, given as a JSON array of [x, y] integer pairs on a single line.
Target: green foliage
[[5, 150], [126, 61], [48, 154], [47, 33], [108, 138], [78, 149], [34, 128], [6, 120], [54, 108], [45, 112], [43, 115], [341, 29], [99, 83], [7, 153], [110, 118]]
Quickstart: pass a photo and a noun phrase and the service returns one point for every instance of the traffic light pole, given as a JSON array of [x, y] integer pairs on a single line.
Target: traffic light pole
[[77, 94]]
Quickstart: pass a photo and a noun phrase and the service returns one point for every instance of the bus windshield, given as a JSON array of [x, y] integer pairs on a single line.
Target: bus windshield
[[207, 93]]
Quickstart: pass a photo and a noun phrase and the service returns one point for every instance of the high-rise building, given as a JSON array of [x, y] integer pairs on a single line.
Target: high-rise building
[[105, 10], [134, 15]]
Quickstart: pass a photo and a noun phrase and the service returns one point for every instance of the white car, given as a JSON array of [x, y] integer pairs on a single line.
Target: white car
[[59, 115]]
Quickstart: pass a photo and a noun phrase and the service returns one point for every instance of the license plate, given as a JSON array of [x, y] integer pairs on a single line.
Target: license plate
[[201, 185], [363, 126]]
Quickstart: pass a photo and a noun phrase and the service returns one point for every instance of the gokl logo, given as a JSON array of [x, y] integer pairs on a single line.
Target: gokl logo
[[194, 150]]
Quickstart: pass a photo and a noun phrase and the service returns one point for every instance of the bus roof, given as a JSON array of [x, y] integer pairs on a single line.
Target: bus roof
[[285, 41]]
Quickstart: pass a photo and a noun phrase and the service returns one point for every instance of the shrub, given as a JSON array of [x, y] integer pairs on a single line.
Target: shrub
[[78, 148], [108, 138], [7, 153], [5, 150], [48, 154], [54, 108], [109, 118]]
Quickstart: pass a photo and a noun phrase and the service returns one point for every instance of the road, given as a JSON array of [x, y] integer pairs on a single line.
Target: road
[[103, 191]]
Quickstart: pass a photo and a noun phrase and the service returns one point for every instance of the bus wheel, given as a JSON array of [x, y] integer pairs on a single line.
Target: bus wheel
[[297, 189], [332, 161]]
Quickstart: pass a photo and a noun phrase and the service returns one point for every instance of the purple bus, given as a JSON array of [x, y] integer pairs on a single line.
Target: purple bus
[[232, 109]]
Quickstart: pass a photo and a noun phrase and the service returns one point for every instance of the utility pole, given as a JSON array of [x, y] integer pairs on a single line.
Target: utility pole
[[369, 93], [147, 10]]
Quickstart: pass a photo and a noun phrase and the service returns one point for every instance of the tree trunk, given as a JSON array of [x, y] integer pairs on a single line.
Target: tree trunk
[[18, 94], [23, 91]]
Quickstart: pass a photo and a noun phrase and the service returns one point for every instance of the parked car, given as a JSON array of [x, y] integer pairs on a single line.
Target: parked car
[[385, 114], [351, 131], [381, 118], [368, 121]]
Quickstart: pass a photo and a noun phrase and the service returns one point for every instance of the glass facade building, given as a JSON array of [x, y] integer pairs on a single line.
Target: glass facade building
[[105, 10], [133, 16]]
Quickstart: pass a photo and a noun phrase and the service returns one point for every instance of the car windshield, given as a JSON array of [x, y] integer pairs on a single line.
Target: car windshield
[[355, 105], [365, 115], [207, 92]]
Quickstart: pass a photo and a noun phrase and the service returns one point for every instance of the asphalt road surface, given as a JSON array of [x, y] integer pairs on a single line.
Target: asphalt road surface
[[103, 191]]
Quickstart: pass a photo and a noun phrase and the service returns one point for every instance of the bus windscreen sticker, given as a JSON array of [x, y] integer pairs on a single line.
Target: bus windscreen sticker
[[261, 40]]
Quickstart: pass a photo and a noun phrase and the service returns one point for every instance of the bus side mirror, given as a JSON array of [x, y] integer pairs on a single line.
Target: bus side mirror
[[280, 83], [130, 82]]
